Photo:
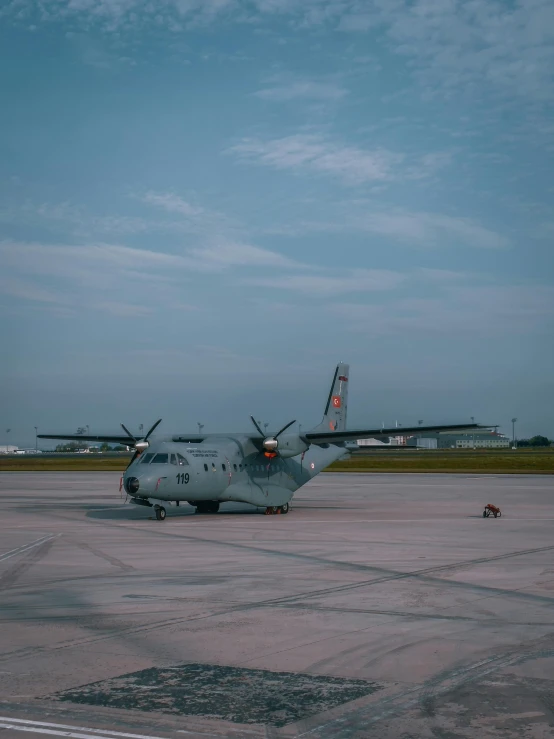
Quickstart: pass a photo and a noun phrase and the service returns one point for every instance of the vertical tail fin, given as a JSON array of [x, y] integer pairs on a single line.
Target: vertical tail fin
[[334, 416]]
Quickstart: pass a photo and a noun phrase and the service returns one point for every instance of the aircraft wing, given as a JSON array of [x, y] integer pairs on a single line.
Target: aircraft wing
[[114, 439], [332, 437]]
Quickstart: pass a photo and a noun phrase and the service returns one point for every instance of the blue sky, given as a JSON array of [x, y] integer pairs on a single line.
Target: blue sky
[[204, 204]]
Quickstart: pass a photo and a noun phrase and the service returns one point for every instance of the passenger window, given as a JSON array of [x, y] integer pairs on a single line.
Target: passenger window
[[206, 467], [235, 466], [147, 458], [182, 460], [173, 459], [160, 459]]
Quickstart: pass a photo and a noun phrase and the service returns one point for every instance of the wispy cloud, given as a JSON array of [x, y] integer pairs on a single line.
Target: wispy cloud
[[487, 310], [122, 310], [315, 153], [357, 22], [431, 229], [484, 44], [89, 275], [229, 253], [68, 259], [175, 215], [17, 288], [282, 88], [413, 228], [353, 165], [172, 203], [351, 281], [453, 45]]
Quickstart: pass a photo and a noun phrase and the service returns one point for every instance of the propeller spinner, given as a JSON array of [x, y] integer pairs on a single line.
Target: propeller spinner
[[270, 443], [139, 444]]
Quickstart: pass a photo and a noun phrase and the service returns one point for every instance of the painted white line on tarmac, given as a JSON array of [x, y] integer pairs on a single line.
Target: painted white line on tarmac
[[75, 732], [26, 547]]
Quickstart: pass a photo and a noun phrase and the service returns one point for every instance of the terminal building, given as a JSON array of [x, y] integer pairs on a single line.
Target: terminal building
[[468, 440]]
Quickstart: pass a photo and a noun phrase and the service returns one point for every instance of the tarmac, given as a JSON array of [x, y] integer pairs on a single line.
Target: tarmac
[[381, 606]]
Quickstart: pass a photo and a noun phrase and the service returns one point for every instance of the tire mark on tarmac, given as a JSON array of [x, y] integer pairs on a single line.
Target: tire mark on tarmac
[[284, 601], [102, 555], [13, 573], [391, 576], [493, 620], [359, 720], [388, 575]]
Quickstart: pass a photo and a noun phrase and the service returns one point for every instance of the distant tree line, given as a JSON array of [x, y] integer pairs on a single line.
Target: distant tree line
[[74, 446], [535, 441]]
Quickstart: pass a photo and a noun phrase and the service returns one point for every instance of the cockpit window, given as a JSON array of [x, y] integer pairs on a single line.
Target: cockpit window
[[181, 460], [160, 459], [173, 459], [146, 458]]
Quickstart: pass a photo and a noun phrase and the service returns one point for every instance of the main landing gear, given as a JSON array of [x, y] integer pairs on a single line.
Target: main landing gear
[[274, 510], [207, 506], [160, 512]]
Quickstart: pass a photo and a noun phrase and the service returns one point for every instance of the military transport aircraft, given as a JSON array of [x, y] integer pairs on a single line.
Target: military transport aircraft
[[208, 469]]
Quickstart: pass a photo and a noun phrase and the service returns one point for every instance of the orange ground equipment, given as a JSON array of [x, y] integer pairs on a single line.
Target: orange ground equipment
[[491, 509]]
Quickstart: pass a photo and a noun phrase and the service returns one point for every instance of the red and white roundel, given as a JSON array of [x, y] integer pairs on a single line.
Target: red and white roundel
[[336, 401]]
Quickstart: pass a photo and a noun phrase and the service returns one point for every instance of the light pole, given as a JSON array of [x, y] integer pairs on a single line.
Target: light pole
[[141, 427], [200, 427], [473, 434], [36, 438], [7, 439], [514, 444], [265, 427]]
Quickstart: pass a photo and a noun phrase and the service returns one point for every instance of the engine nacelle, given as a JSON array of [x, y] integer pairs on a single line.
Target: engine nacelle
[[291, 445]]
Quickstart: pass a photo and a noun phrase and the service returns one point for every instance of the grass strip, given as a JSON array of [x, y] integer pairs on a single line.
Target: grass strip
[[447, 461]]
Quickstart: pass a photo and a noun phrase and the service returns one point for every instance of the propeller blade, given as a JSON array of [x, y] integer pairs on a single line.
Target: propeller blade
[[135, 455], [152, 429], [256, 425], [129, 434], [284, 429]]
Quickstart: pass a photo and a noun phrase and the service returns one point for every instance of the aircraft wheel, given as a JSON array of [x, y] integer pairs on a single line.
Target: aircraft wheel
[[213, 506], [160, 513], [285, 508], [484, 514]]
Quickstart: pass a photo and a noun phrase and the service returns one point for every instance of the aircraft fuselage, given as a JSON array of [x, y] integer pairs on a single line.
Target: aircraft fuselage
[[223, 469]]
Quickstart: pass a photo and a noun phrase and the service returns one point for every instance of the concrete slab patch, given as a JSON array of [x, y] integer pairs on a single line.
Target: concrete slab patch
[[230, 693]]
